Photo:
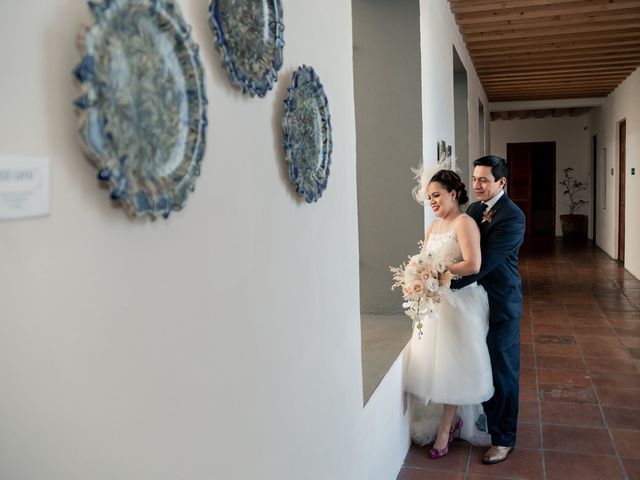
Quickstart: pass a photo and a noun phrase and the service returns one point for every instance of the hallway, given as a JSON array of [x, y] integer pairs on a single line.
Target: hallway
[[579, 381]]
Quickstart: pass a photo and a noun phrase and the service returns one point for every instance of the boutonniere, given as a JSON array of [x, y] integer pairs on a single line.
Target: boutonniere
[[488, 216]]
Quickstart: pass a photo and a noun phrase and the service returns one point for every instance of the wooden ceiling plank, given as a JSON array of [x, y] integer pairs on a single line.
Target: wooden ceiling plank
[[530, 98], [548, 89], [554, 81], [542, 11], [559, 47], [482, 76], [528, 94], [467, 6], [629, 33], [556, 87], [553, 63], [489, 74], [550, 86], [565, 53], [557, 73], [462, 7], [488, 82], [554, 31], [621, 16], [551, 83]]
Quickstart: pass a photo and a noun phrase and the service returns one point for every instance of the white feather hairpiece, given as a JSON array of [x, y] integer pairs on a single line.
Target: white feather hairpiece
[[423, 175]]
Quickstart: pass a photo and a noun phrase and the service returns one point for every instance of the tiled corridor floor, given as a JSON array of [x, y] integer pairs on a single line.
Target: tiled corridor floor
[[580, 375]]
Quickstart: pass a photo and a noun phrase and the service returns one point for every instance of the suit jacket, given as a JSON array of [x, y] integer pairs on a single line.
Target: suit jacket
[[500, 241]]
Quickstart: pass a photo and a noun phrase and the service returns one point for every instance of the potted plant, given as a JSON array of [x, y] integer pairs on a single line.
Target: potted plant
[[574, 225]]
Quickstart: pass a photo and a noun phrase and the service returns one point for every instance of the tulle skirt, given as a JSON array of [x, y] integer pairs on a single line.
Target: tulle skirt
[[450, 365]]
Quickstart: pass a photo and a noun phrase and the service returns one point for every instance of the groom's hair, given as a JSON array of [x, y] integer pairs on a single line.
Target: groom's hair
[[498, 165]]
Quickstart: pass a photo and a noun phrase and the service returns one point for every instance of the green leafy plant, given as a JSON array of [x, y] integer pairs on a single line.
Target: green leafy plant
[[572, 187]]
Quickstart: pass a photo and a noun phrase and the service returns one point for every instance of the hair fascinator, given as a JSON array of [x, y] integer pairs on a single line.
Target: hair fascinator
[[423, 175]]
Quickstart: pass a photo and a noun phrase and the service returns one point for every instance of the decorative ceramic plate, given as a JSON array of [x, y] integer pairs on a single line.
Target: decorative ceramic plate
[[142, 110], [249, 37], [307, 134]]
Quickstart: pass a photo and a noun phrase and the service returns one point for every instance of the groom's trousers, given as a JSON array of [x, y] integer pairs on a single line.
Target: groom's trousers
[[503, 341]]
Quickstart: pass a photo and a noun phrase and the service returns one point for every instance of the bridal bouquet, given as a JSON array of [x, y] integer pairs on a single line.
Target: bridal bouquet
[[420, 279]]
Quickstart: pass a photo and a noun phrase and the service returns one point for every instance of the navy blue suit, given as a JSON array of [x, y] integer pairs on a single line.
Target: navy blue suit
[[500, 241]]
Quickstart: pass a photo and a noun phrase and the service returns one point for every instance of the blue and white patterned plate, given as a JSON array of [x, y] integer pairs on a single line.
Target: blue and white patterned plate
[[307, 134], [142, 111], [249, 35]]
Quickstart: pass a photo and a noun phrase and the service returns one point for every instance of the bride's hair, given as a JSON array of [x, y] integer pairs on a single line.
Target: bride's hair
[[449, 179]]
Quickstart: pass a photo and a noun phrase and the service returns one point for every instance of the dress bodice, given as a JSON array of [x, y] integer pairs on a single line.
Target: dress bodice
[[444, 247]]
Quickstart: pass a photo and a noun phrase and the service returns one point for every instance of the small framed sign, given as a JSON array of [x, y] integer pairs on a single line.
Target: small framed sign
[[24, 187]]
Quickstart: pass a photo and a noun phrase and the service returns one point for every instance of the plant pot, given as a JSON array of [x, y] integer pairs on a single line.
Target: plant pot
[[574, 226]]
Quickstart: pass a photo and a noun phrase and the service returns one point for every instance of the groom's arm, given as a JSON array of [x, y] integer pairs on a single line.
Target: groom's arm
[[506, 238]]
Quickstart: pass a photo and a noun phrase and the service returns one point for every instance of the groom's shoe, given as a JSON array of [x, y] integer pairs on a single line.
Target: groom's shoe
[[496, 454]]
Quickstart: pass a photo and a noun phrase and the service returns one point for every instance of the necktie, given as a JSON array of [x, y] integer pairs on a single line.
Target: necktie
[[483, 208]]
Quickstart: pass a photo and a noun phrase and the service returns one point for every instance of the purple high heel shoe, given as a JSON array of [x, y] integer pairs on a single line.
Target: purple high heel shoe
[[453, 433]]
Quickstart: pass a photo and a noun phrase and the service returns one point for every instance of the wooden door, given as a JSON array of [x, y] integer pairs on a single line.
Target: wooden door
[[519, 156], [594, 183], [622, 138]]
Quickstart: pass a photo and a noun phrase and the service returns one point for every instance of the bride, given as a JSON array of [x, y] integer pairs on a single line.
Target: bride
[[449, 371]]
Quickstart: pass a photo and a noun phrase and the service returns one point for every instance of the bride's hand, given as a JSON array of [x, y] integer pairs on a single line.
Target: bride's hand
[[444, 279]]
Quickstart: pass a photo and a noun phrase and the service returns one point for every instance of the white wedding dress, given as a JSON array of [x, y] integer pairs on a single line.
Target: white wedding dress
[[450, 362]]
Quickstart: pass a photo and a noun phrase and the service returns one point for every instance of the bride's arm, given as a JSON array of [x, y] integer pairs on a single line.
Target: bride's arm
[[428, 232], [468, 235]]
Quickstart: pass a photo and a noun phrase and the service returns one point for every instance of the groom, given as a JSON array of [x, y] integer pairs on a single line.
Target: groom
[[502, 226]]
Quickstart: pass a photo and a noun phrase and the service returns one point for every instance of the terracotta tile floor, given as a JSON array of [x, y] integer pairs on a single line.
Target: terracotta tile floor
[[580, 375]]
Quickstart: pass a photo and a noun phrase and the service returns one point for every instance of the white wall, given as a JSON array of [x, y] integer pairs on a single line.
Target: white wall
[[386, 55], [223, 343], [461, 125], [622, 103], [572, 149], [439, 32]]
